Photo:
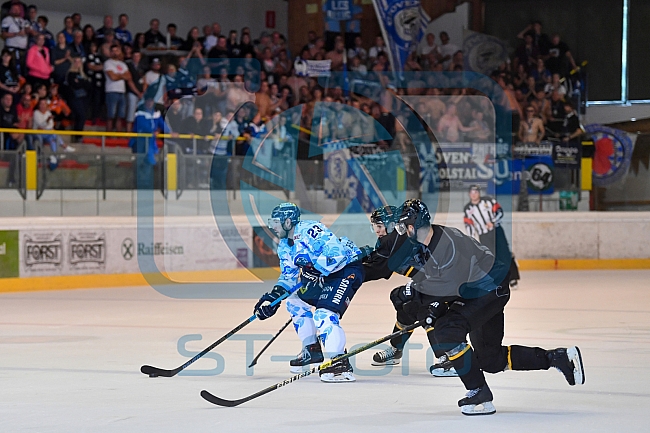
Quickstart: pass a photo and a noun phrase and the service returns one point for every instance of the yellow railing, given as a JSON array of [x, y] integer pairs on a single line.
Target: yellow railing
[[104, 134]]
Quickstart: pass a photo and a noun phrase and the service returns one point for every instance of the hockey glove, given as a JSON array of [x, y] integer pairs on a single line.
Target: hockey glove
[[311, 279], [434, 311], [366, 250], [403, 295], [263, 309]]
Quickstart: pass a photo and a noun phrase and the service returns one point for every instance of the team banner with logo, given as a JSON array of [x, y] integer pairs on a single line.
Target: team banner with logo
[[402, 25], [613, 153], [312, 68], [483, 53]]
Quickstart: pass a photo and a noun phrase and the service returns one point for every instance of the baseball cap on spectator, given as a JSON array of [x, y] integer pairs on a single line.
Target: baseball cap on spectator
[[155, 60]]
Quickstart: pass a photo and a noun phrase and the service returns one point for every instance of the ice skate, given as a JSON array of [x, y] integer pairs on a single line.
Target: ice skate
[[514, 284], [339, 371], [443, 368], [311, 354], [477, 402], [390, 356], [569, 362]]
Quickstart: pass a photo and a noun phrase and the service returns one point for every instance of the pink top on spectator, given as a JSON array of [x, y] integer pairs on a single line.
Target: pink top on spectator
[[38, 62]]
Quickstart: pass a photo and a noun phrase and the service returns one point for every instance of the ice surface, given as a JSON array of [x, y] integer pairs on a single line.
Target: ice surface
[[70, 360]]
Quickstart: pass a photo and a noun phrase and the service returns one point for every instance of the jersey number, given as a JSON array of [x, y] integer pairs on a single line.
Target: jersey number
[[314, 231]]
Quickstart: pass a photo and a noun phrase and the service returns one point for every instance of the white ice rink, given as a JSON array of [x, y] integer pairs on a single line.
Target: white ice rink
[[70, 360]]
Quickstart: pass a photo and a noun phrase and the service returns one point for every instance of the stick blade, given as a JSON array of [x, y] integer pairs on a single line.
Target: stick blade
[[155, 371], [220, 401]]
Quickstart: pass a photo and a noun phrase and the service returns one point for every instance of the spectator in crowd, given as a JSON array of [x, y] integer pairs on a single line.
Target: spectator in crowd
[[450, 126], [25, 113], [540, 40], [556, 85], [555, 114], [246, 46], [76, 21], [78, 84], [447, 50], [59, 108], [233, 45], [9, 119], [527, 53], [193, 125], [379, 47], [49, 37], [153, 37], [175, 42], [107, 43], [336, 55], [480, 131], [89, 37], [44, 120], [154, 79], [68, 29], [34, 28], [531, 130], [139, 42], [358, 50], [540, 73], [572, 130], [116, 74], [457, 62], [101, 32], [94, 68], [38, 62], [220, 49], [9, 79], [428, 46], [559, 57], [6, 8], [77, 45], [15, 35], [174, 116], [192, 40], [122, 34], [135, 87], [61, 59]]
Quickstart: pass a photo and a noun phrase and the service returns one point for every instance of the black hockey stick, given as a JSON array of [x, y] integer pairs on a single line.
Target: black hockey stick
[[231, 403], [155, 371], [269, 343]]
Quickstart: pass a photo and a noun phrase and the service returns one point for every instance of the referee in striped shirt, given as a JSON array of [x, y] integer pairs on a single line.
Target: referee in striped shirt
[[483, 217]]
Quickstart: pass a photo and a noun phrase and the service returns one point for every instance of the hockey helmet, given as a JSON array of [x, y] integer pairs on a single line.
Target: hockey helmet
[[280, 214], [413, 213], [385, 215]]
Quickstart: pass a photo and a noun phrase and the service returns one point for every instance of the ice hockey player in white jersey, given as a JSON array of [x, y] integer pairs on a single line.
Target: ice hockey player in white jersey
[[319, 270]]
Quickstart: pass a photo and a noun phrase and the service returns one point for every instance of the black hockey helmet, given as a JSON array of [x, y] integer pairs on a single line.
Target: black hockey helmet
[[413, 213], [385, 215]]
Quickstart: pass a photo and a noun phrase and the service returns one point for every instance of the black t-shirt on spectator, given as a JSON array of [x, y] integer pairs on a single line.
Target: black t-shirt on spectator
[[387, 120], [136, 76], [557, 57], [58, 75], [151, 38], [8, 77], [8, 118]]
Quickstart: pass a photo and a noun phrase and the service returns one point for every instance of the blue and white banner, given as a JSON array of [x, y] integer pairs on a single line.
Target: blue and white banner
[[483, 53], [312, 68], [402, 26]]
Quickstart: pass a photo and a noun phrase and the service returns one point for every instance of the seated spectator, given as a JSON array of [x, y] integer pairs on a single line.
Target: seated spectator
[[25, 113], [428, 46], [101, 32], [153, 37], [9, 79], [450, 126], [139, 42], [38, 62], [219, 50], [379, 47], [9, 119], [457, 62], [411, 63], [232, 44], [59, 108], [40, 92], [358, 68], [175, 42], [68, 29], [121, 32], [78, 85], [531, 130], [540, 73], [480, 131], [447, 50], [192, 40], [60, 57], [283, 64], [358, 50], [44, 120], [556, 85], [246, 46]]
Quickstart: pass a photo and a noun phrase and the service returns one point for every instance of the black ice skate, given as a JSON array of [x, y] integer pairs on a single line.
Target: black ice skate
[[339, 371], [569, 362], [390, 356], [311, 354], [477, 402], [443, 368]]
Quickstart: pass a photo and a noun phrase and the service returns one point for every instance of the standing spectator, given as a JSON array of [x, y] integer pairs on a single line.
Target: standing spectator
[[95, 71], [559, 57], [194, 125], [25, 113], [76, 21], [447, 50], [116, 74], [68, 29], [121, 33], [246, 46], [540, 73], [61, 59], [38, 62], [358, 51], [379, 47], [555, 114], [6, 8], [571, 126], [154, 79], [233, 45], [89, 37], [77, 46], [107, 43], [336, 55], [9, 82], [135, 90], [192, 39], [9, 119], [457, 61], [14, 33], [34, 28], [527, 53], [212, 38], [101, 32], [175, 42], [153, 37], [428, 46], [49, 37], [540, 40], [531, 130], [138, 42], [78, 84], [450, 126]]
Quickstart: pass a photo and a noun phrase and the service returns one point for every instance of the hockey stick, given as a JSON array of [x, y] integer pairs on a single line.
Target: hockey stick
[[231, 403], [155, 371], [269, 343]]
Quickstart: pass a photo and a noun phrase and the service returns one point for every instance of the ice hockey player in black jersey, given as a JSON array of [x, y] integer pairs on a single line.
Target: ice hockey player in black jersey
[[482, 217], [465, 290], [389, 254]]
